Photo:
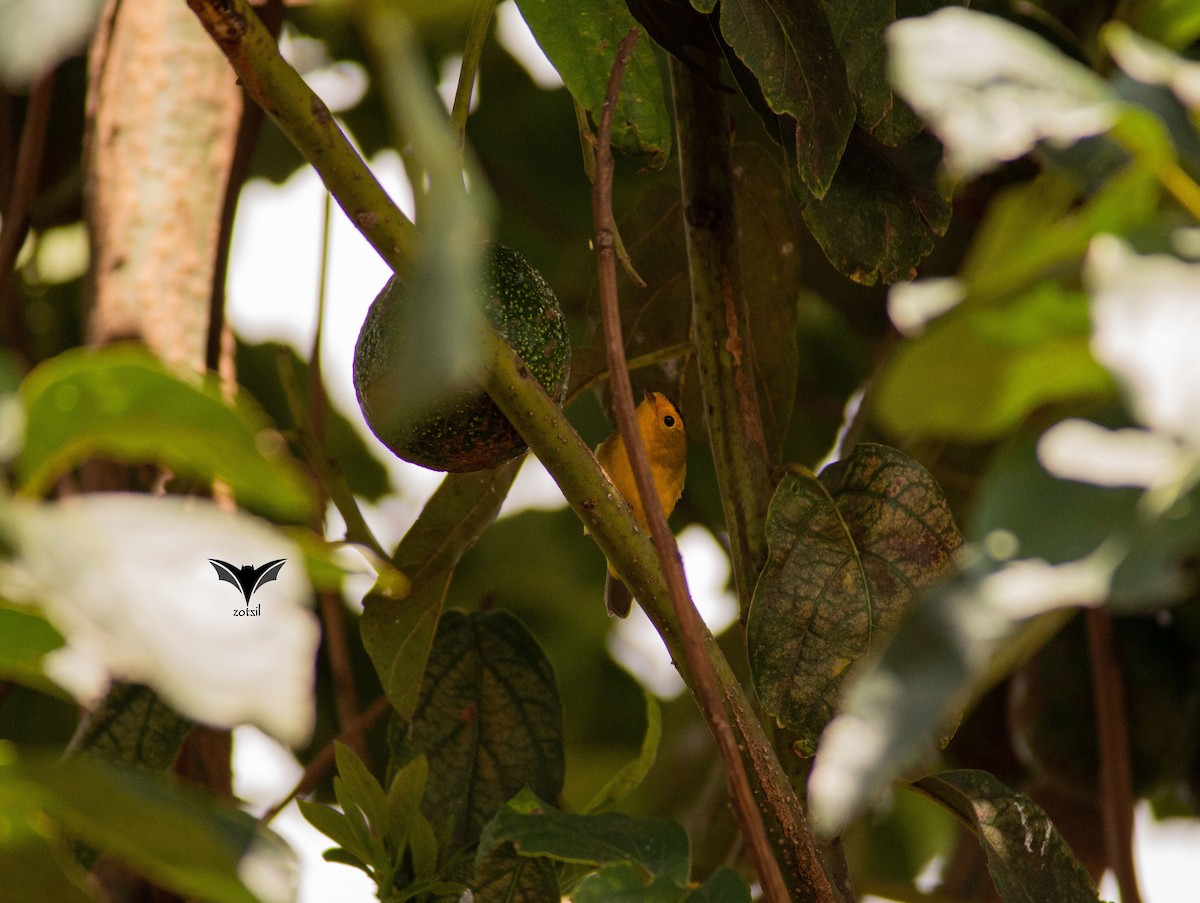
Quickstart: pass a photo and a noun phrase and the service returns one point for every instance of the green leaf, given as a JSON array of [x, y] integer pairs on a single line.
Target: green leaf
[[336, 826], [363, 790], [723, 886], [488, 720], [1008, 360], [791, 51], [1027, 858], [883, 209], [623, 883], [630, 777], [991, 90], [653, 846], [858, 28], [184, 843], [1037, 227], [505, 877], [25, 638], [398, 633], [580, 39], [133, 726], [121, 403], [258, 372], [404, 807], [848, 552]]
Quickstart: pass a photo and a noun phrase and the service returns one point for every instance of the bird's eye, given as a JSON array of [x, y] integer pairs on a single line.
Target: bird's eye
[[668, 420]]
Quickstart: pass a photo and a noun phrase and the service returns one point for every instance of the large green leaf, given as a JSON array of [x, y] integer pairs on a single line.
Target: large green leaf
[[1028, 860], [580, 38], [883, 209], [488, 720], [791, 51], [122, 403], [191, 845], [1006, 361], [398, 633], [848, 551], [858, 28]]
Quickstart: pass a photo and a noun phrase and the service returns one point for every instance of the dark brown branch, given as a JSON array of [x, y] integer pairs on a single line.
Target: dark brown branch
[[323, 761], [1116, 783], [705, 680], [16, 218]]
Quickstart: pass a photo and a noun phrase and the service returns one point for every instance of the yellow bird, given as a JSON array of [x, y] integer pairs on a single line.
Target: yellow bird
[[665, 439]]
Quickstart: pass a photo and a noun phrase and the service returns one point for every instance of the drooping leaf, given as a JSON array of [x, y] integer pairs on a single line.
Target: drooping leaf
[[883, 209], [193, 846], [488, 720], [992, 90], [631, 775], [858, 29], [1007, 360], [790, 49], [723, 886], [580, 38], [1028, 859], [122, 403], [105, 568], [398, 633], [848, 551]]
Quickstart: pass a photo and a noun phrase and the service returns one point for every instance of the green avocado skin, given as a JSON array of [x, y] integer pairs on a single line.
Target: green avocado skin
[[468, 432]]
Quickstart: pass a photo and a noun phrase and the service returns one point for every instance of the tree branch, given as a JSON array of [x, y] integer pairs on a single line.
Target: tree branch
[[1116, 788], [704, 684], [308, 124], [722, 331]]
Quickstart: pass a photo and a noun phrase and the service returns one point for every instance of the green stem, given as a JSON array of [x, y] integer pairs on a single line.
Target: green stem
[[470, 65], [278, 88], [720, 322], [610, 522]]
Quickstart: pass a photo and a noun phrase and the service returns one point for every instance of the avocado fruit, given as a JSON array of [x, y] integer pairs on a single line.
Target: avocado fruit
[[465, 430]]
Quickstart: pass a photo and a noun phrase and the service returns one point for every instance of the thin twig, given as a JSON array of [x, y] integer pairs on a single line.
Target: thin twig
[[472, 51], [239, 169], [15, 224], [1116, 785], [322, 762], [705, 679]]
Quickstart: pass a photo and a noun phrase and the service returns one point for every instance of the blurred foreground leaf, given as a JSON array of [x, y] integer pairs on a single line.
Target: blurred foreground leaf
[[122, 403], [190, 845]]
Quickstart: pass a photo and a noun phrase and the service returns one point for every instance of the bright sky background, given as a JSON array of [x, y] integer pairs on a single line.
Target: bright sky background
[[274, 267]]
